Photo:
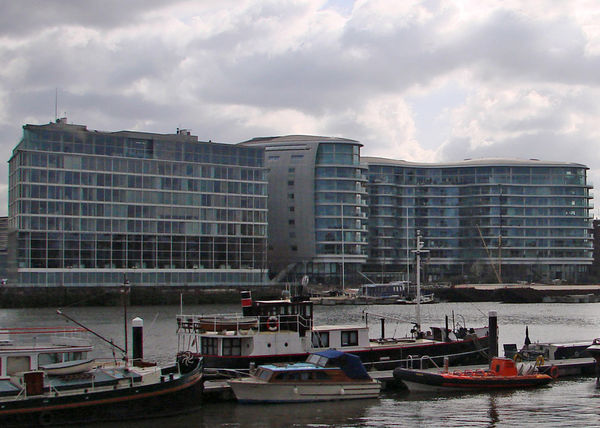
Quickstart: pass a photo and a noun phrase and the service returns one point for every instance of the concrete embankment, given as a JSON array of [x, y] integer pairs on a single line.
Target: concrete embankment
[[519, 293], [24, 297], [32, 297]]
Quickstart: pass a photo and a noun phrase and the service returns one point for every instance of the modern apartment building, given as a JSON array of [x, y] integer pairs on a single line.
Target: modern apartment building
[[93, 208], [482, 220], [317, 221]]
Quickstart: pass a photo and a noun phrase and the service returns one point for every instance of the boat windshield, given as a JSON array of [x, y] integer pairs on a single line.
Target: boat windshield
[[263, 374], [317, 360]]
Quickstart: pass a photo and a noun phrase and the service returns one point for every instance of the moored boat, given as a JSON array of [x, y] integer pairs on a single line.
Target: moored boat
[[503, 373], [284, 331], [109, 392], [325, 376], [46, 378]]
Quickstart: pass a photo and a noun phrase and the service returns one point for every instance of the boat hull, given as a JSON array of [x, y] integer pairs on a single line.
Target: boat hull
[[422, 381], [169, 396], [248, 391]]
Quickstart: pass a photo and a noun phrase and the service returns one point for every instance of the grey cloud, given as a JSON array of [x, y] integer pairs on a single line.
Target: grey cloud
[[22, 17]]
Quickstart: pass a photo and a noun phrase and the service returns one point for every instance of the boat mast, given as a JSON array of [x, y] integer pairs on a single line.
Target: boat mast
[[418, 252]]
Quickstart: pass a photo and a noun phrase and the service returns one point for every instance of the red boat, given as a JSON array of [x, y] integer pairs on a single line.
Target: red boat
[[502, 374]]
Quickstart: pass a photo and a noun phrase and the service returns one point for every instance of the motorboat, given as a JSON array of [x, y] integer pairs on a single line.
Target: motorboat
[[503, 373], [325, 376]]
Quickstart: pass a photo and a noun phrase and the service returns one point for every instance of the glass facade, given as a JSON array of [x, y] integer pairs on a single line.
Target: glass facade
[[86, 207], [317, 208], [340, 210], [508, 220]]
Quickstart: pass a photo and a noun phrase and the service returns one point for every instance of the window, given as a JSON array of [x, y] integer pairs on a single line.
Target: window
[[291, 222], [290, 182], [350, 338], [320, 340], [294, 248], [17, 364], [290, 196], [232, 347], [210, 346], [292, 209], [52, 358]]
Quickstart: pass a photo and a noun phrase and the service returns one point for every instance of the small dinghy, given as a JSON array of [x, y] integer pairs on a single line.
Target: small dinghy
[[68, 367], [502, 374]]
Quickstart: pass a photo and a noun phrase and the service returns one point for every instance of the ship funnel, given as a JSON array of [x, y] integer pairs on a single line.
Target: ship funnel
[[246, 302]]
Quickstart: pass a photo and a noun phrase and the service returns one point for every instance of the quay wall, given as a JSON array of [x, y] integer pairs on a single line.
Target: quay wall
[[33, 297], [24, 297]]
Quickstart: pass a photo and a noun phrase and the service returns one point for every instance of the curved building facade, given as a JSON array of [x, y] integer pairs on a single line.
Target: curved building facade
[[482, 220], [317, 222]]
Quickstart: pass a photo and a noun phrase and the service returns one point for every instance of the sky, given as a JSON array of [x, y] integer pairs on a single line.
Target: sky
[[425, 81]]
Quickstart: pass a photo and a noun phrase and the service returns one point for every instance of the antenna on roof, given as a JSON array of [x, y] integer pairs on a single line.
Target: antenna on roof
[[55, 104]]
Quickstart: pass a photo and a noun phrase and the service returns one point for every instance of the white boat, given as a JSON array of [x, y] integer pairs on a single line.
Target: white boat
[[325, 376], [68, 367]]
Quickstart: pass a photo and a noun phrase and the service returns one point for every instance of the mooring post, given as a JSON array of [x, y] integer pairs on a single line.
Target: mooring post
[[137, 325], [493, 326]]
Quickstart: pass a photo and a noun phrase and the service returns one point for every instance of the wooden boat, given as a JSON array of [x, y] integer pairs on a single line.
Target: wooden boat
[[47, 379], [502, 374], [325, 376], [110, 392], [284, 331]]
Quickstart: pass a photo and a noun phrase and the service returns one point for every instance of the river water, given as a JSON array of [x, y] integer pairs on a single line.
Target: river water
[[572, 401]]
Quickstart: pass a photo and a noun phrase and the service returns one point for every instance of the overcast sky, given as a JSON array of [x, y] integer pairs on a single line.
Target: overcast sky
[[424, 81]]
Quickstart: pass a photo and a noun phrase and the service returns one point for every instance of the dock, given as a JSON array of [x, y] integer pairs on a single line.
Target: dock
[[219, 390]]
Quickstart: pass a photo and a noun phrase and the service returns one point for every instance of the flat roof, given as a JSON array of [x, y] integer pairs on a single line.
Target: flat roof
[[471, 162]]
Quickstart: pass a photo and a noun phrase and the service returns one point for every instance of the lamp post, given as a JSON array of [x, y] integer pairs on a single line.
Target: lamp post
[[125, 291], [418, 252]]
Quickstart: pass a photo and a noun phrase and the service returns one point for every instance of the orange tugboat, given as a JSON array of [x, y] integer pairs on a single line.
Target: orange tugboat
[[502, 374]]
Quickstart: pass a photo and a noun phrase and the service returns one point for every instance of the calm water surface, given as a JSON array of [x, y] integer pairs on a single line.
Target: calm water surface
[[574, 402]]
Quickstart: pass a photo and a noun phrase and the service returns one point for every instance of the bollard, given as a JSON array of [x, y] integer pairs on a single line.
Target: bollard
[[138, 339], [493, 327]]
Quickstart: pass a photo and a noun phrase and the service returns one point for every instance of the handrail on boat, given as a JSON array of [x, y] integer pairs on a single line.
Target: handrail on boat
[[234, 322]]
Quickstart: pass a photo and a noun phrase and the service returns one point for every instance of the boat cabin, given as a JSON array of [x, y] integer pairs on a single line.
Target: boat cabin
[[503, 367], [28, 349], [391, 289], [329, 365]]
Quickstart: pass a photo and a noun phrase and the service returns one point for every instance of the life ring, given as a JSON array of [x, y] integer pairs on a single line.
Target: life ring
[[554, 372], [273, 323], [517, 358], [539, 361]]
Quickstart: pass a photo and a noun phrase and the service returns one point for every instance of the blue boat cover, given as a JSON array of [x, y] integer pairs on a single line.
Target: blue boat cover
[[349, 363]]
